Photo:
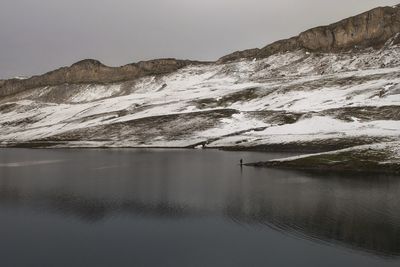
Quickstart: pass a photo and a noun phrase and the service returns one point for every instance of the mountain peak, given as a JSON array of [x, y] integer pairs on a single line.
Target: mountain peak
[[88, 63]]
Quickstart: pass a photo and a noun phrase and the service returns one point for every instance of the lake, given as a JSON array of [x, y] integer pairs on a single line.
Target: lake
[[130, 207]]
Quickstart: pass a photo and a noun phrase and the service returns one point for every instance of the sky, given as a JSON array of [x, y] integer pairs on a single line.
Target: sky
[[37, 36]]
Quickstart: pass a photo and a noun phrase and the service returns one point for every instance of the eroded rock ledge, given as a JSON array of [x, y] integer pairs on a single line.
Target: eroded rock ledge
[[92, 71], [370, 29]]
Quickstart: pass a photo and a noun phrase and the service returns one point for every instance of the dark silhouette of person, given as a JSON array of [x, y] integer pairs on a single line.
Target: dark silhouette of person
[[241, 162]]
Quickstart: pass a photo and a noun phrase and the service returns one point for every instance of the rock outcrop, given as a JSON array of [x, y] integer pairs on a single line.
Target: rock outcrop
[[370, 29], [92, 71]]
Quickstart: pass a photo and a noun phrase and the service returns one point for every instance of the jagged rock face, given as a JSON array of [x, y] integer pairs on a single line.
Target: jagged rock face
[[370, 29], [93, 71], [279, 46]]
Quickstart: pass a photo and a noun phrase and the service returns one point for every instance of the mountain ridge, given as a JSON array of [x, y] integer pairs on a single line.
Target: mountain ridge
[[368, 29], [93, 71], [372, 28]]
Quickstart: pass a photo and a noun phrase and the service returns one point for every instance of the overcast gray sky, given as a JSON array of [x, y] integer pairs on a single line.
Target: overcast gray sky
[[39, 35]]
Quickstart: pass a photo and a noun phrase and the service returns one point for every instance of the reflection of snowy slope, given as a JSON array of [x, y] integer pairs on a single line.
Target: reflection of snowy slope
[[295, 97]]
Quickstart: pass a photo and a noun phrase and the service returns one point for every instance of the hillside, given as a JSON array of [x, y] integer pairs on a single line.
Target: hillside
[[330, 88]]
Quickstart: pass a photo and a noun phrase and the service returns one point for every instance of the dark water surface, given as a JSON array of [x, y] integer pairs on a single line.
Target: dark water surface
[[189, 208]]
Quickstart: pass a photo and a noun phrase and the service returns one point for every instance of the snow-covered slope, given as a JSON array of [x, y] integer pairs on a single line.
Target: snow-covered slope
[[293, 100]]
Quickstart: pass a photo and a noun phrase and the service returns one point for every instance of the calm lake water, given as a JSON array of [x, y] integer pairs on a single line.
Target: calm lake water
[[189, 208]]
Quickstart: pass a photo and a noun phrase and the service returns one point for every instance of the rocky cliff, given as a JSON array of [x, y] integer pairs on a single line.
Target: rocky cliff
[[92, 71], [370, 29]]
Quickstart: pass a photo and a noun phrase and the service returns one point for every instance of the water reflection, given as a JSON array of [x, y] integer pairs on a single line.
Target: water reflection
[[360, 213]]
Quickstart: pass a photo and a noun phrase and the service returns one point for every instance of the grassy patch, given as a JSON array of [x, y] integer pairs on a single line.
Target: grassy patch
[[365, 113], [225, 101], [7, 107], [275, 117]]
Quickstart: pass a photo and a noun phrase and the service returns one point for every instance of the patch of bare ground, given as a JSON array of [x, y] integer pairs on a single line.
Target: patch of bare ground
[[366, 113], [227, 100]]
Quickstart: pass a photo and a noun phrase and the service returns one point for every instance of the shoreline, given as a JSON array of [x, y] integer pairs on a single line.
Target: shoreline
[[321, 169], [371, 158]]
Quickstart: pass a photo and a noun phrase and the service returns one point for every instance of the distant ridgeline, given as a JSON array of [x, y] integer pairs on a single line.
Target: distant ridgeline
[[370, 29], [92, 71]]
